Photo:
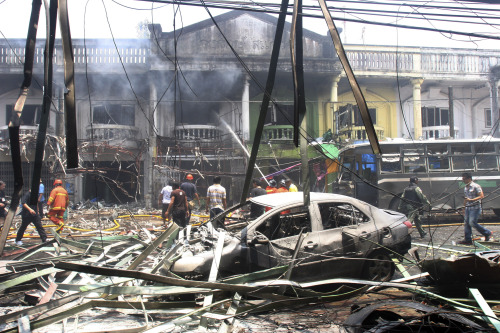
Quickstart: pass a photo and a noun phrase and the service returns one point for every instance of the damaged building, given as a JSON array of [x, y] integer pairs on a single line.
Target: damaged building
[[187, 101]]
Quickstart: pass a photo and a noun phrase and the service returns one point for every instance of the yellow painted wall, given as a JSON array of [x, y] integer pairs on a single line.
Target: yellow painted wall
[[382, 99]]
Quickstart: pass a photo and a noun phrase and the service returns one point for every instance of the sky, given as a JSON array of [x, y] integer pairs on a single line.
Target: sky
[[121, 18]]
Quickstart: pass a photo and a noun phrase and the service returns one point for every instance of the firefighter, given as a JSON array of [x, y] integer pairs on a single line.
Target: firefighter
[[57, 203]]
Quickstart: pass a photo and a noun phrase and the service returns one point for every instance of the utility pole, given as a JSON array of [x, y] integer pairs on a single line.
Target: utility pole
[[451, 112]]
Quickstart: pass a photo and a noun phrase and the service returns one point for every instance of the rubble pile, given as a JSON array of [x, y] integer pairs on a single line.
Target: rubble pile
[[91, 283]]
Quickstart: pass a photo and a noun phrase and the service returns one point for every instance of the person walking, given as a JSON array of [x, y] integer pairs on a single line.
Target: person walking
[[473, 194], [257, 190], [291, 186], [41, 199], [412, 202], [3, 203], [29, 215], [57, 203], [178, 207], [164, 199], [216, 198], [190, 188]]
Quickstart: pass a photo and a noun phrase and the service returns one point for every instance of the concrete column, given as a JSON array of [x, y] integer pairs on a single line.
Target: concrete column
[[245, 109], [151, 151], [493, 82], [417, 108], [334, 98]]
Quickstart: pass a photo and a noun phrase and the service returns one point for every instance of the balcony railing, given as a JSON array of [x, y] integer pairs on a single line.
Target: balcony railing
[[278, 132], [93, 52], [386, 60], [359, 133], [438, 132], [112, 133], [24, 131], [194, 135], [424, 61]]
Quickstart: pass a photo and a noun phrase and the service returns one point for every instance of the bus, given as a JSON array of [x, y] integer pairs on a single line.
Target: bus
[[438, 164]]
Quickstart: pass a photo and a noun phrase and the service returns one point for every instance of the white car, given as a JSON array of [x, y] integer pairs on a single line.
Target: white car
[[341, 237]]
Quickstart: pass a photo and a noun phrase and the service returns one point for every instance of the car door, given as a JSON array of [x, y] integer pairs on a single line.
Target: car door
[[361, 229], [280, 232], [344, 238]]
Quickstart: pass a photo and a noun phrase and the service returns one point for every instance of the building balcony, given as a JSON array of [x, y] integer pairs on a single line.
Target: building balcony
[[437, 132], [354, 133], [281, 133], [122, 135], [25, 132], [204, 136]]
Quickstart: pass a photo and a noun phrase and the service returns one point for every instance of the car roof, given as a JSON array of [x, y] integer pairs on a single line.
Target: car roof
[[286, 198]]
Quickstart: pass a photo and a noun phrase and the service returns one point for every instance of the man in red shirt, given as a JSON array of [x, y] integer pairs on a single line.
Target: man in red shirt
[[178, 207], [58, 201]]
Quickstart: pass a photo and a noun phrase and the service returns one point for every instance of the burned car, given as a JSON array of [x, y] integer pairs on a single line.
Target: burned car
[[333, 236]]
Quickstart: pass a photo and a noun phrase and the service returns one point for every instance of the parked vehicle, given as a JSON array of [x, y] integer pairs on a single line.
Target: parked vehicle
[[336, 236], [439, 164]]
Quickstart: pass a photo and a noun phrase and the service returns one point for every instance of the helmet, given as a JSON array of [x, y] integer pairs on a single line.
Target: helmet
[[189, 176], [272, 183], [57, 182], [413, 179], [283, 182]]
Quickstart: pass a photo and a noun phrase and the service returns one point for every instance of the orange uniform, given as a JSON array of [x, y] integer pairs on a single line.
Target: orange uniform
[[58, 201], [271, 190]]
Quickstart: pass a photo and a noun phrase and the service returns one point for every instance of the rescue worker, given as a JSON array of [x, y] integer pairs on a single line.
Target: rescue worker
[[57, 203], [412, 202], [282, 187], [190, 188], [271, 188]]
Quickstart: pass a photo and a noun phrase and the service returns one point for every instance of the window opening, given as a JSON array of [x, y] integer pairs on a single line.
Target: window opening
[[286, 223], [340, 214], [116, 114]]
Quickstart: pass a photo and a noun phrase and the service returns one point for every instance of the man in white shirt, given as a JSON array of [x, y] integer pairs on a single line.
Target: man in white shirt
[[164, 199]]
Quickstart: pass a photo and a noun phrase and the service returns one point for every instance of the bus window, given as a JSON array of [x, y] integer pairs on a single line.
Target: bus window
[[414, 164], [463, 162], [462, 148], [486, 162], [368, 167], [390, 164], [347, 166], [439, 163], [484, 148]]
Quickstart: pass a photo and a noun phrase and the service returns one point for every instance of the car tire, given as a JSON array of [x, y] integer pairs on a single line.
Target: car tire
[[379, 268], [496, 211], [394, 204]]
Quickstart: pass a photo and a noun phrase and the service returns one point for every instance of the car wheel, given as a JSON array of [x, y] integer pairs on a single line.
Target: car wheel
[[497, 212], [379, 267]]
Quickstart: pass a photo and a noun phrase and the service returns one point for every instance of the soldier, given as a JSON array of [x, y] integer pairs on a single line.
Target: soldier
[[412, 202]]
